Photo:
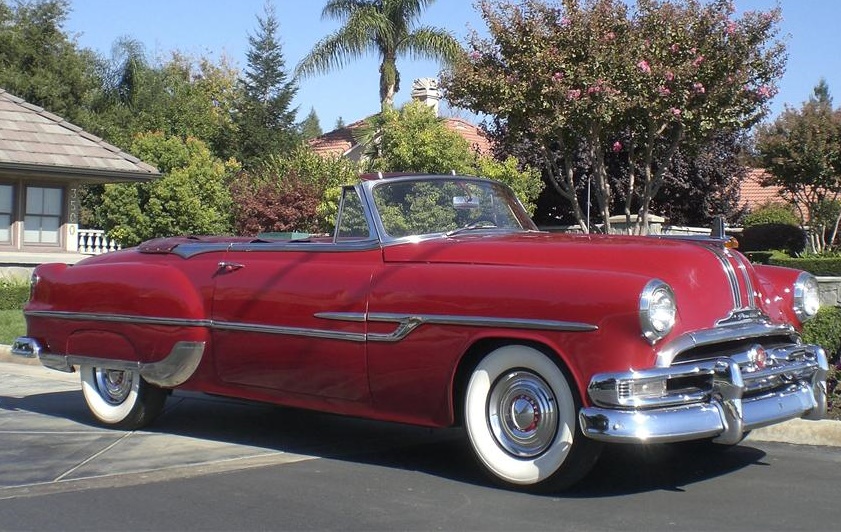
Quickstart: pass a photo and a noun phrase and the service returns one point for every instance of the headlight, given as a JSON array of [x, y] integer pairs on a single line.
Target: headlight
[[657, 310], [806, 296]]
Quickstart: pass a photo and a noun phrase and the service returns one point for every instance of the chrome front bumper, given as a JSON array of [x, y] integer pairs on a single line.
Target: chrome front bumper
[[178, 366], [719, 398]]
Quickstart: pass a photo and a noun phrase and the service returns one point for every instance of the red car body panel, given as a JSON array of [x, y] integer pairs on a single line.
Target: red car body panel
[[318, 325]]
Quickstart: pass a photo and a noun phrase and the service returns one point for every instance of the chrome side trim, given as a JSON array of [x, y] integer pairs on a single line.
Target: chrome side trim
[[120, 318], [409, 322], [321, 247], [720, 334], [178, 366], [342, 316], [188, 250], [406, 323], [288, 331]]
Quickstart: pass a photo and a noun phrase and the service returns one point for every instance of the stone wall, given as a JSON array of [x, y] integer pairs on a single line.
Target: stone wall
[[830, 288]]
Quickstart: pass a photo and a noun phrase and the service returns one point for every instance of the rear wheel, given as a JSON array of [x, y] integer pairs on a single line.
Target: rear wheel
[[521, 417], [121, 398]]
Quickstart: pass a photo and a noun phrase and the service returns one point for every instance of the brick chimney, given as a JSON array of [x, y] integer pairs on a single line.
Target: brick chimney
[[426, 90]]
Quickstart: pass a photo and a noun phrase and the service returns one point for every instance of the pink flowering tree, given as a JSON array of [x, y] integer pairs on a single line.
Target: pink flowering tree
[[584, 79]]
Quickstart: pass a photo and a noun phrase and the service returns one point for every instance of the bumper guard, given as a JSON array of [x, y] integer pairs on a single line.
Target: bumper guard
[[720, 398]]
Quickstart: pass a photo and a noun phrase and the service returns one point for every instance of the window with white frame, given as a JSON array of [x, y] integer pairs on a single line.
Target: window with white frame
[[7, 201], [42, 218]]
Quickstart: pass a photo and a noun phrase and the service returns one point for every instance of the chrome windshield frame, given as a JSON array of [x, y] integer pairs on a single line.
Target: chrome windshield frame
[[367, 188]]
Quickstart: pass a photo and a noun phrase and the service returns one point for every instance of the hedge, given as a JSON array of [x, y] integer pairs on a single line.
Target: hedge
[[825, 330], [816, 265], [767, 237], [13, 295]]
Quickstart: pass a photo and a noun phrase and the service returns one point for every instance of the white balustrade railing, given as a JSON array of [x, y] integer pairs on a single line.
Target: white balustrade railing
[[96, 242]]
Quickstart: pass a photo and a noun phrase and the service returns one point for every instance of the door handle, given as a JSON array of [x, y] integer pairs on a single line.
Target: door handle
[[228, 267]]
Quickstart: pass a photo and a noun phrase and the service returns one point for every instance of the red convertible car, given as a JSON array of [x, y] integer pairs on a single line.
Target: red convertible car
[[437, 302]]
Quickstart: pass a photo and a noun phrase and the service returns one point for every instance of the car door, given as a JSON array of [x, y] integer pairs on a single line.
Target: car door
[[290, 317]]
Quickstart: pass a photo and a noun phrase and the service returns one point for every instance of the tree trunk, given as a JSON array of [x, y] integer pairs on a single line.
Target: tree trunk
[[654, 178], [563, 180], [602, 182], [632, 175], [388, 81]]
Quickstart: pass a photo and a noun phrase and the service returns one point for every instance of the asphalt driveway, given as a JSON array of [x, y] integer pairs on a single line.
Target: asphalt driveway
[[49, 442]]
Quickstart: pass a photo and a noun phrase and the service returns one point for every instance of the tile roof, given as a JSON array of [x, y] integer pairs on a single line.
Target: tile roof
[[336, 142], [32, 139], [753, 194], [341, 141]]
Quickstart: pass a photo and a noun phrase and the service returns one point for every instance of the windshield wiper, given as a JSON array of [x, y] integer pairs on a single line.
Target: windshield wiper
[[479, 224]]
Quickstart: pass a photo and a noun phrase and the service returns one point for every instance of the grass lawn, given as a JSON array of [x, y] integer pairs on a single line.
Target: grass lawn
[[12, 325]]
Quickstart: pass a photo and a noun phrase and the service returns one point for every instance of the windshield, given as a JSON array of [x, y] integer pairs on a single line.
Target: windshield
[[432, 206]]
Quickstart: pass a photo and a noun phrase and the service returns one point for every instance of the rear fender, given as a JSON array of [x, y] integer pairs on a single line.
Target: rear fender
[[119, 314], [89, 342]]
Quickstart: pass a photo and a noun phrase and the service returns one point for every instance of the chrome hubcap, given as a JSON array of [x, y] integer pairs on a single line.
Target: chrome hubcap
[[522, 414], [114, 385]]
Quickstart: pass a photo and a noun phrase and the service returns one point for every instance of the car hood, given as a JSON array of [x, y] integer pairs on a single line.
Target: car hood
[[542, 249], [697, 271]]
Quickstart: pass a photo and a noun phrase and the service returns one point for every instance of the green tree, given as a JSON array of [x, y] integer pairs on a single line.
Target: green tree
[[310, 127], [801, 150], [385, 28], [182, 97], [191, 197], [415, 140], [266, 119], [582, 79], [40, 63]]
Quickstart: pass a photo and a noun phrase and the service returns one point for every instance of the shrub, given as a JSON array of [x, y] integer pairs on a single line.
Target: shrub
[[759, 257], [297, 192], [814, 264], [825, 330], [13, 294], [771, 236], [772, 213]]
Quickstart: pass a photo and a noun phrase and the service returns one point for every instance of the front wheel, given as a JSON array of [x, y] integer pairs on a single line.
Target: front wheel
[[121, 398], [521, 417]]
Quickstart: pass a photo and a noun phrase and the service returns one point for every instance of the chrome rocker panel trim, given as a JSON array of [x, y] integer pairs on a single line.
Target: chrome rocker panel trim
[[793, 386], [172, 371]]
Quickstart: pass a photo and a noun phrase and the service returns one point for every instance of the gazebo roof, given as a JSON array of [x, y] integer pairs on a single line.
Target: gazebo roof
[[36, 142]]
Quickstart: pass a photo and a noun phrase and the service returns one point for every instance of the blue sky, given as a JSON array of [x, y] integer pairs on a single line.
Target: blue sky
[[213, 28]]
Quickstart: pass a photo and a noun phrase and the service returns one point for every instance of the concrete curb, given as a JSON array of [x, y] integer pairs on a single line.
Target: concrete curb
[[796, 431]]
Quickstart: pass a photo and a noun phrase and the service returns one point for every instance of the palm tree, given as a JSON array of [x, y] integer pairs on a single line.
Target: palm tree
[[384, 27]]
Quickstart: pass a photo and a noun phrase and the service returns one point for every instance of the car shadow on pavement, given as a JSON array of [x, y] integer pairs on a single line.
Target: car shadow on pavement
[[445, 453], [67, 406]]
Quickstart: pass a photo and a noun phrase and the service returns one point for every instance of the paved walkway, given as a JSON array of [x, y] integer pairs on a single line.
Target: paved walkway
[[50, 443]]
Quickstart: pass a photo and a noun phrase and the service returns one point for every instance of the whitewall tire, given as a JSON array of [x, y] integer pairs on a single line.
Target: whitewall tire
[[121, 398], [521, 417]]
